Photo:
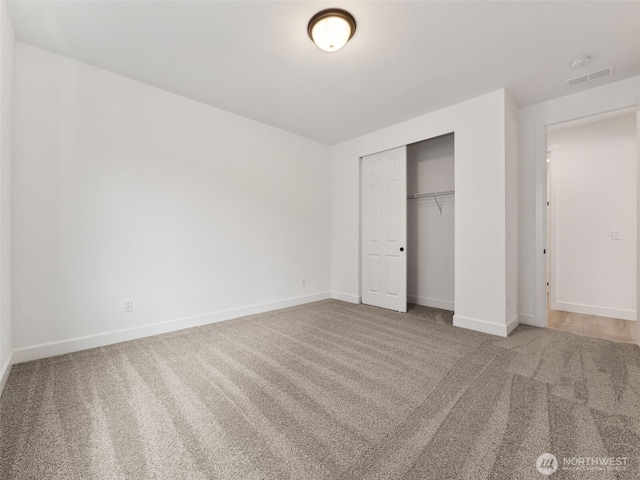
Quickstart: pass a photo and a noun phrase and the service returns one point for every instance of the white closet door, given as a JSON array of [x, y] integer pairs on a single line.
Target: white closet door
[[384, 229]]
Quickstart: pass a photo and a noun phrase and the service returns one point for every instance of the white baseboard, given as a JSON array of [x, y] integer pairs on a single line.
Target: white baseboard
[[596, 310], [527, 319], [431, 302], [5, 370], [345, 297], [35, 352], [512, 324], [482, 325]]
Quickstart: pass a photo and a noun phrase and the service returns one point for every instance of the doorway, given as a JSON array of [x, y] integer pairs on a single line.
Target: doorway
[[591, 226]]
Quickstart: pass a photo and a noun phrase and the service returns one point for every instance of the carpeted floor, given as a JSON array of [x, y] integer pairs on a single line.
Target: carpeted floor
[[327, 390]]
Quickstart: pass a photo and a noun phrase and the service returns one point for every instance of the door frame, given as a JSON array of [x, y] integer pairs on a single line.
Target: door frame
[[540, 196]]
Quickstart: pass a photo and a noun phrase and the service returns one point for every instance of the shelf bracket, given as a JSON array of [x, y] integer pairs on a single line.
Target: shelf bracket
[[435, 197]]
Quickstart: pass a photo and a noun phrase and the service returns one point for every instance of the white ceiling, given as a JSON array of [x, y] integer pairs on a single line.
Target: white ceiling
[[406, 58]]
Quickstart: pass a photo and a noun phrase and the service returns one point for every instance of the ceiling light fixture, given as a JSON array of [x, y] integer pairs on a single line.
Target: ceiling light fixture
[[331, 29]]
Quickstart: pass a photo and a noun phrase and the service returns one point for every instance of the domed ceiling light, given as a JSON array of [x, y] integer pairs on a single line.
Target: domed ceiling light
[[331, 29]]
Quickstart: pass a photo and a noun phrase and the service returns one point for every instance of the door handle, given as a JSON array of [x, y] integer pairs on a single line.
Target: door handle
[[402, 249]]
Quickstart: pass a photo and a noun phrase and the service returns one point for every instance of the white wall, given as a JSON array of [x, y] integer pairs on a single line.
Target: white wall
[[593, 194], [124, 191], [480, 225], [7, 46], [511, 194], [532, 146], [638, 212], [431, 234]]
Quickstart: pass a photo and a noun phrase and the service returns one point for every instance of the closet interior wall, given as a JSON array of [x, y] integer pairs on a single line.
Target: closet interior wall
[[430, 233]]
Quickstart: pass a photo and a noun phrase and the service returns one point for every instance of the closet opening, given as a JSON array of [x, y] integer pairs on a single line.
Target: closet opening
[[408, 228], [431, 223]]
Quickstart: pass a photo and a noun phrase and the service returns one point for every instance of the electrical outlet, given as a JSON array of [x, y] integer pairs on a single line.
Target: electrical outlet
[[128, 306], [303, 282]]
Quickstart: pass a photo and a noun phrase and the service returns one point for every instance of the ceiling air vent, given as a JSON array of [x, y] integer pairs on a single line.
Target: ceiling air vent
[[601, 73], [605, 72], [578, 80]]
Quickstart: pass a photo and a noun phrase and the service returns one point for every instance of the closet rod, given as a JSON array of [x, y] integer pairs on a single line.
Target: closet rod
[[435, 196]]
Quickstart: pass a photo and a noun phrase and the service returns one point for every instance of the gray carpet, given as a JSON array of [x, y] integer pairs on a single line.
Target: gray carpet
[[327, 390]]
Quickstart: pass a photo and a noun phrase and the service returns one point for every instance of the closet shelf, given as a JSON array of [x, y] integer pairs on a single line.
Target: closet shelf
[[435, 196]]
